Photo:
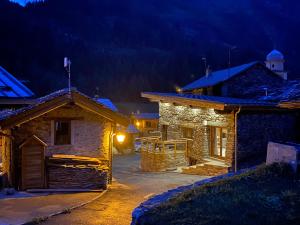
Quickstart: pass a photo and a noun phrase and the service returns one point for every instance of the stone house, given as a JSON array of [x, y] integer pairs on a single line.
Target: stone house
[[146, 123], [230, 115], [53, 142]]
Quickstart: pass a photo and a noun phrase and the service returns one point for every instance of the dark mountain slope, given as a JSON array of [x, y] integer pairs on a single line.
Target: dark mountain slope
[[128, 46]]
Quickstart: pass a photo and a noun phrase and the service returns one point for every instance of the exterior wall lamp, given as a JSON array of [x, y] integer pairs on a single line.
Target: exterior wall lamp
[[120, 139]]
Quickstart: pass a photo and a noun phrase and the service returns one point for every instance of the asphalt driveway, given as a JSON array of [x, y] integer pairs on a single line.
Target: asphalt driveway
[[129, 189]]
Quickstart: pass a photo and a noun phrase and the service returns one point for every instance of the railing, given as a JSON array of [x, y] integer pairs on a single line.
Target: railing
[[155, 144], [158, 155]]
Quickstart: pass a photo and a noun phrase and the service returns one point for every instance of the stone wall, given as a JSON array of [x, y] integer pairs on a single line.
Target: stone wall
[[6, 158], [60, 177], [256, 129], [161, 161], [139, 214], [283, 153], [251, 83], [90, 133], [200, 120]]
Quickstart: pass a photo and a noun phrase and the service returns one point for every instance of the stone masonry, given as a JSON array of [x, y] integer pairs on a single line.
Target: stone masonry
[[257, 128], [90, 134], [176, 117]]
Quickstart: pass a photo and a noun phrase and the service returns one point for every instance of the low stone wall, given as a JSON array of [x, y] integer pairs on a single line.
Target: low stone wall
[[71, 172], [284, 153], [162, 161], [76, 178], [138, 213]]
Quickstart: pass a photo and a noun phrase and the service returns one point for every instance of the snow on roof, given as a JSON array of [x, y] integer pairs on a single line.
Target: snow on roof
[[10, 87], [218, 76], [108, 103], [149, 116], [216, 99], [8, 113], [288, 92]]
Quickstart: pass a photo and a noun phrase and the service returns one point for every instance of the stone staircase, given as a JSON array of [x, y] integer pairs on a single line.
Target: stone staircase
[[210, 167]]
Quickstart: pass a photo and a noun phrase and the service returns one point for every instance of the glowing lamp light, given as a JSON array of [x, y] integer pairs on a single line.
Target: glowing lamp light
[[137, 124], [120, 138]]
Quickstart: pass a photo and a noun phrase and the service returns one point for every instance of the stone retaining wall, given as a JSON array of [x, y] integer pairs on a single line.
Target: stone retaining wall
[[138, 213]]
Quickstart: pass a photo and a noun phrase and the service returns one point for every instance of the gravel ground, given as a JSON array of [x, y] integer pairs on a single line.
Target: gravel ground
[[129, 189]]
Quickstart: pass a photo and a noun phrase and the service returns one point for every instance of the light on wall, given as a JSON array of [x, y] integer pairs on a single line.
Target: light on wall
[[205, 122], [120, 137]]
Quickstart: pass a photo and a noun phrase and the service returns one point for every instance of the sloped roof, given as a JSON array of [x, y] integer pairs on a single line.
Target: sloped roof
[[108, 103], [218, 76], [288, 92], [208, 101], [10, 87], [149, 116], [55, 100], [131, 129]]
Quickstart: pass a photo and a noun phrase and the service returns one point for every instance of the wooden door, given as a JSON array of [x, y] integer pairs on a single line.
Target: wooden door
[[33, 166]]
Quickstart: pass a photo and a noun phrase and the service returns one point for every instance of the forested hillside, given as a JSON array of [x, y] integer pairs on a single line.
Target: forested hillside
[[128, 46]]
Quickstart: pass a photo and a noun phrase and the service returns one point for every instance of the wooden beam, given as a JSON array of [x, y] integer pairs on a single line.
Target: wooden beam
[[35, 112], [185, 101], [63, 118]]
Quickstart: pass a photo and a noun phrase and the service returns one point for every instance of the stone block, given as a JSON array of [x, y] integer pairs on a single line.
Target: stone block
[[283, 153]]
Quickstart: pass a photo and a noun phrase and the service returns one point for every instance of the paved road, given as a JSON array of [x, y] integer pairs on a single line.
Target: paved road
[[129, 189]]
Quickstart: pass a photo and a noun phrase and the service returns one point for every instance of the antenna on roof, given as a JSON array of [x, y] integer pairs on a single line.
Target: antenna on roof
[[205, 63], [231, 48], [67, 65]]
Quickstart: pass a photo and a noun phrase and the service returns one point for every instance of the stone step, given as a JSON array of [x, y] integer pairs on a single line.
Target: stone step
[[206, 169]]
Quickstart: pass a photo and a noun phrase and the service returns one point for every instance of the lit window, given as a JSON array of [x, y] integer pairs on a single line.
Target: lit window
[[62, 133]]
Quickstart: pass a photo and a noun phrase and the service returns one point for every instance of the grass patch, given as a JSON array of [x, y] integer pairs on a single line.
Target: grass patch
[[267, 195]]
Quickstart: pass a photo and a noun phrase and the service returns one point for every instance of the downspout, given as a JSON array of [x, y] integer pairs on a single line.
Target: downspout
[[235, 139]]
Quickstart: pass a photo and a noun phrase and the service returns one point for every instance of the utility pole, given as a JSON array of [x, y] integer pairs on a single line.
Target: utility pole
[[67, 65]]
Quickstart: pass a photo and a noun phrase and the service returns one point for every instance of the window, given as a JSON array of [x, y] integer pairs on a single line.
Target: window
[[148, 124], [164, 131], [62, 132], [187, 132], [218, 142]]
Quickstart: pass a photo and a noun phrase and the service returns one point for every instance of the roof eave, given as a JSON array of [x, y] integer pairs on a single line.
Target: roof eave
[[184, 101]]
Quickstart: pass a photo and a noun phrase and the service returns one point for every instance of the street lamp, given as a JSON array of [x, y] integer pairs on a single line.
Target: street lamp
[[120, 138]]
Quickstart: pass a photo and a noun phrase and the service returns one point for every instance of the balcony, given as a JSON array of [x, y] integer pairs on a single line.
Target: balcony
[[158, 155]]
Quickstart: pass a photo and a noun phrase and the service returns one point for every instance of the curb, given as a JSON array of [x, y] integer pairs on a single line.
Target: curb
[[44, 218]]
